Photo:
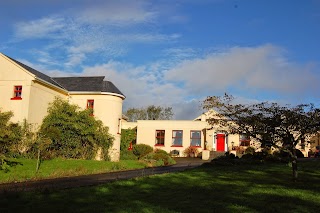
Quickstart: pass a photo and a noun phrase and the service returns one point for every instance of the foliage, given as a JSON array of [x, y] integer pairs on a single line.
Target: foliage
[[141, 150], [127, 136], [127, 155], [73, 133], [10, 134], [151, 112], [268, 123], [191, 151], [250, 150], [159, 157]]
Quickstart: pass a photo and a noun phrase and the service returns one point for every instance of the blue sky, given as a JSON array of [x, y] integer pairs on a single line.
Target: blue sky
[[173, 52]]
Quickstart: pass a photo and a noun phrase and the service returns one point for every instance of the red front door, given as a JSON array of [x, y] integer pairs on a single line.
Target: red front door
[[220, 142]]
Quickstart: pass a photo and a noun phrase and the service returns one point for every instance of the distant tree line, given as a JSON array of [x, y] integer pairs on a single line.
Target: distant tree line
[[151, 112]]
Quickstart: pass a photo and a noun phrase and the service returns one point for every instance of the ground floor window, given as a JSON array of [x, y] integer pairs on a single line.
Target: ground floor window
[[177, 137], [195, 138], [244, 140], [160, 137]]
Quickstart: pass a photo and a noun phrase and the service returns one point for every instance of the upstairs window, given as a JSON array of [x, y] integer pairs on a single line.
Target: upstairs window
[[160, 137], [195, 138], [17, 93], [90, 105], [177, 137]]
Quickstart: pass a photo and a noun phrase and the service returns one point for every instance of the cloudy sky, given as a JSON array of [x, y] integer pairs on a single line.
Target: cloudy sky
[[173, 52]]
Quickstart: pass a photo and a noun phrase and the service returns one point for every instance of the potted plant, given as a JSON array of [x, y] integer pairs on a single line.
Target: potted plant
[[191, 151]]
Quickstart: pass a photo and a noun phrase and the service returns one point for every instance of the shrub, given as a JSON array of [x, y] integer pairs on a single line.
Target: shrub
[[161, 151], [250, 150], [10, 134], [191, 151], [127, 136], [141, 150], [127, 155], [159, 158], [74, 133]]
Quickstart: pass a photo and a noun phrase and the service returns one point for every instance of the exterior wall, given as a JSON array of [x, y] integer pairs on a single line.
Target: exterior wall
[[108, 109], [35, 96], [146, 133], [128, 125], [13, 75], [39, 99]]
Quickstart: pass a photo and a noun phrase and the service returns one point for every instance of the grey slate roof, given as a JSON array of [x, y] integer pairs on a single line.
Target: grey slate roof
[[75, 84], [37, 73], [87, 84]]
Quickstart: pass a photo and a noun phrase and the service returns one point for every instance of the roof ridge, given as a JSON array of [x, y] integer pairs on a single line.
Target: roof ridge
[[35, 72]]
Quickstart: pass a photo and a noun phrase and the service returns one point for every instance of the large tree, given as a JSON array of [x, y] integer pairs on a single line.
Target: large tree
[[269, 123], [151, 112], [74, 133]]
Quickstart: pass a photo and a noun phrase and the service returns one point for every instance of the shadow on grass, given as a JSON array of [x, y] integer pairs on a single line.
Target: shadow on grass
[[210, 188]]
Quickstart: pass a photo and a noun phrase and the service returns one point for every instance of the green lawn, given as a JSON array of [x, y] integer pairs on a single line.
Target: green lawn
[[210, 188], [26, 169]]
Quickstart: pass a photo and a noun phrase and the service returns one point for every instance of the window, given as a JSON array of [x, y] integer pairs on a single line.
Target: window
[[90, 105], [177, 137], [160, 137], [244, 140], [195, 138], [17, 93]]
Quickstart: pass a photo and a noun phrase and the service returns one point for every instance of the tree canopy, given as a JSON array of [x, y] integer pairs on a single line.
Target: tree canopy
[[269, 123], [151, 112], [74, 133]]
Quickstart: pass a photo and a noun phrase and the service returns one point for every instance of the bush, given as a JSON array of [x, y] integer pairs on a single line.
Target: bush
[[250, 150], [10, 134], [127, 155], [191, 151], [141, 150], [73, 133], [160, 158], [127, 136]]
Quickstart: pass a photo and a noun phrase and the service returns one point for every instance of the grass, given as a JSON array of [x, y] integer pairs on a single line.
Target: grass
[[26, 168], [210, 188]]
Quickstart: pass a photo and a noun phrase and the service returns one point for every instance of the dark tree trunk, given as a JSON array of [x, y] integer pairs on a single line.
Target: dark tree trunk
[[294, 162]]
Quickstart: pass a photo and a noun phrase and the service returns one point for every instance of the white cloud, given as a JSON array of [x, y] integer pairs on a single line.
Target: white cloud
[[119, 13], [248, 71], [44, 27], [106, 28], [263, 68]]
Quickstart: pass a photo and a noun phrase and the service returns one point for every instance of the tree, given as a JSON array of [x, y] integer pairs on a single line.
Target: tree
[[268, 123], [10, 134], [73, 133], [151, 112], [127, 136]]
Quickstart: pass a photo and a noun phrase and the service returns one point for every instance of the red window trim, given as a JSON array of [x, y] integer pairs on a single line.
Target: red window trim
[[160, 137], [177, 137], [16, 90], [90, 105], [245, 141], [195, 131], [16, 98], [176, 146]]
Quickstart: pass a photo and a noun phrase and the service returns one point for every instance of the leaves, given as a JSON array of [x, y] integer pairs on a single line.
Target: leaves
[[151, 112], [74, 133]]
